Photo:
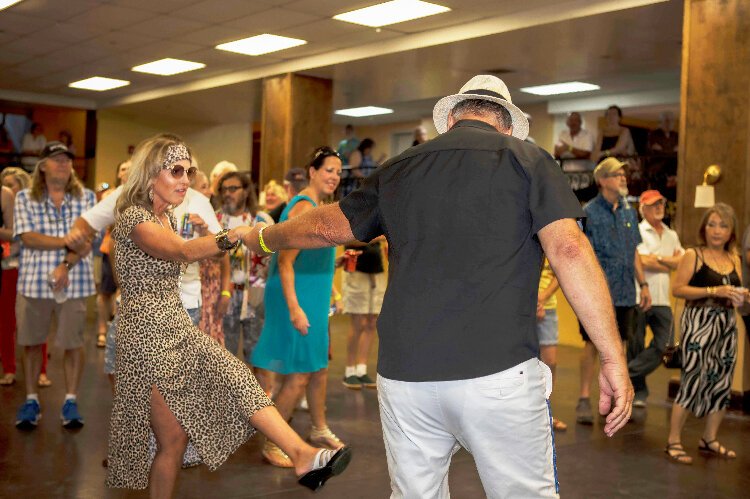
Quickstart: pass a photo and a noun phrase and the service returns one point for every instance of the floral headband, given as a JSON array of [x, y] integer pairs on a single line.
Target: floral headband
[[175, 153]]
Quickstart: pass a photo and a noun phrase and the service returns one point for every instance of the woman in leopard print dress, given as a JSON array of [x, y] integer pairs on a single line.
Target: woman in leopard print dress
[[173, 380]]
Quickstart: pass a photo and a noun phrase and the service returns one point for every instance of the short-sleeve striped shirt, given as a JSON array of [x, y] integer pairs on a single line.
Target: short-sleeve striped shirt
[[44, 217]]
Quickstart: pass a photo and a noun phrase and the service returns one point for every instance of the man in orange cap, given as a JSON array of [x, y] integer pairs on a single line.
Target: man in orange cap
[[660, 252]]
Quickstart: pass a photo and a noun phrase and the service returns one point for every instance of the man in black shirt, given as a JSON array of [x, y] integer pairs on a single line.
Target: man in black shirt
[[458, 347]]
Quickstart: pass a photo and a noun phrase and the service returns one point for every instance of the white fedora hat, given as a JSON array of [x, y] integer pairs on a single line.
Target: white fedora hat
[[482, 87]]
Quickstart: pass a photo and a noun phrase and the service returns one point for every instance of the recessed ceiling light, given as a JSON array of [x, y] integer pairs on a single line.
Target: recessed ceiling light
[[396, 11], [359, 112], [260, 44], [168, 67], [99, 83], [4, 4], [561, 88]]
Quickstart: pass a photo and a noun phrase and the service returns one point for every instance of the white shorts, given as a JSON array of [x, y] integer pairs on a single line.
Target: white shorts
[[363, 293], [502, 419]]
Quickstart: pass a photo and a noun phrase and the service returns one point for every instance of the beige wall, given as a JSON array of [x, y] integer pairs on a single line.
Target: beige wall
[[210, 143]]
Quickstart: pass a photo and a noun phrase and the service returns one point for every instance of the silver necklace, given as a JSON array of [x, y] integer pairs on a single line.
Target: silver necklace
[[183, 266]]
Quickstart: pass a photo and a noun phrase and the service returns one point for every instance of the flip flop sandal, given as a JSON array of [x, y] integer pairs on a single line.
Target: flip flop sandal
[[8, 379], [101, 341], [676, 453], [720, 450], [317, 477]]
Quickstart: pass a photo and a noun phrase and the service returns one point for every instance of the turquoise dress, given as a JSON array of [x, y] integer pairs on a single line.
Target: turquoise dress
[[281, 348]]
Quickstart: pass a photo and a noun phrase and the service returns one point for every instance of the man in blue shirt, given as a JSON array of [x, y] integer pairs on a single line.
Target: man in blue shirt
[[612, 228]]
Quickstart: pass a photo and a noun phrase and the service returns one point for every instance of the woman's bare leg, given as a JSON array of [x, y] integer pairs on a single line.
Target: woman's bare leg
[[316, 398], [171, 441], [272, 424]]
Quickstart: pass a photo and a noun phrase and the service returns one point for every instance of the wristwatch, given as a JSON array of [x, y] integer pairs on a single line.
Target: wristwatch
[[643, 284], [223, 242], [67, 264]]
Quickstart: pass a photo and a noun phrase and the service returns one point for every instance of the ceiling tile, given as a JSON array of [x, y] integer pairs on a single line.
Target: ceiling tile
[[162, 6], [166, 27], [50, 9], [111, 16], [209, 11], [16, 23], [325, 29], [8, 58], [214, 35], [271, 20], [71, 33], [328, 8], [160, 50], [33, 45], [120, 41]]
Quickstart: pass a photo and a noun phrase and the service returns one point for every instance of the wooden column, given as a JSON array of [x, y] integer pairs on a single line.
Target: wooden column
[[296, 118], [715, 121]]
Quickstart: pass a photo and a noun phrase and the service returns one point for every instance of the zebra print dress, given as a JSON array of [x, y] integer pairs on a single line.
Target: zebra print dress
[[709, 346]]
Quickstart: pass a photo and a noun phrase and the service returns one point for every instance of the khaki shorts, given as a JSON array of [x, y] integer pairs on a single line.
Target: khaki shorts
[[34, 318], [363, 293]]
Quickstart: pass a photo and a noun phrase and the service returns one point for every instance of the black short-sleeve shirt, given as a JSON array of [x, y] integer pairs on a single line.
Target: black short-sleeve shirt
[[460, 213]]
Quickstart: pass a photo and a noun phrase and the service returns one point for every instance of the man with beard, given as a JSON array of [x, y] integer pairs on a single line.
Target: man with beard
[[612, 228], [246, 312]]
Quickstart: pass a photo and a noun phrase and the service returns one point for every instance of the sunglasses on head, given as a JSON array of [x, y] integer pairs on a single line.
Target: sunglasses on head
[[178, 170]]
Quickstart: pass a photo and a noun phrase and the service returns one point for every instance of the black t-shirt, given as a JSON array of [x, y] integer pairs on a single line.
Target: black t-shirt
[[460, 213], [371, 259]]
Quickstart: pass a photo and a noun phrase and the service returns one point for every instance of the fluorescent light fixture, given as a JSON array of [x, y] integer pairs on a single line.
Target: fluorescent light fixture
[[396, 11], [168, 67], [4, 4], [261, 44], [561, 88], [99, 83], [359, 112]]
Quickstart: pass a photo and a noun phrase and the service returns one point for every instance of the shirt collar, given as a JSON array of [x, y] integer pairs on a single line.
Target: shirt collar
[[475, 124]]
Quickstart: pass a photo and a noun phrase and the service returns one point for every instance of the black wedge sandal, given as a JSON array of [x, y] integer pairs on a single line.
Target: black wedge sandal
[[317, 477]]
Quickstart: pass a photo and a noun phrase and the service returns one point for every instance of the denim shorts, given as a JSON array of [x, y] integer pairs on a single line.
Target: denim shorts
[[546, 329]]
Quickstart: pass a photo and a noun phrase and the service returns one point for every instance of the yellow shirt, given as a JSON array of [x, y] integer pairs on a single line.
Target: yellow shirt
[[544, 281]]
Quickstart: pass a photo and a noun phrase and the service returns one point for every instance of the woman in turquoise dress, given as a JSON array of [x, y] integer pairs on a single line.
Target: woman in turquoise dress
[[294, 340]]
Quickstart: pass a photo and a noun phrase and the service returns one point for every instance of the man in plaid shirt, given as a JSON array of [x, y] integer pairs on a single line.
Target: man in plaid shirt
[[54, 278]]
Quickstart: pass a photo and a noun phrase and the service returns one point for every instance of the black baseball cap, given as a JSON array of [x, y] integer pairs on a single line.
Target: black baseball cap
[[54, 148]]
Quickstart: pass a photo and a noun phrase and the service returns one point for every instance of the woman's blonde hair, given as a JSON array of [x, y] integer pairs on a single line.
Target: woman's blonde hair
[[39, 183], [19, 174], [277, 189], [148, 161]]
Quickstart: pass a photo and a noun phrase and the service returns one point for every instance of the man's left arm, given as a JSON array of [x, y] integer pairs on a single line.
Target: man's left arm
[[585, 287], [318, 228], [641, 278]]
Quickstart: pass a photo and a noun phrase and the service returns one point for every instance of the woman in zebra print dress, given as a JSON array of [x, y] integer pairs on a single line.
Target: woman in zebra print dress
[[708, 278]]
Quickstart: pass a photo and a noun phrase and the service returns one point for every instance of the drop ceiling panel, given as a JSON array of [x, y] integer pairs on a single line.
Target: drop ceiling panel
[[328, 8], [165, 27], [215, 34], [212, 12], [163, 6], [51, 9], [16, 23], [271, 20], [111, 16]]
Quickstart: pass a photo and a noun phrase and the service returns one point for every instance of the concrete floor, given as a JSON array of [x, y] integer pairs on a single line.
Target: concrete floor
[[51, 462]]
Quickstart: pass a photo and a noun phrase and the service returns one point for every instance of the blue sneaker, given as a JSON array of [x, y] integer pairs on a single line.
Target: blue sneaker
[[28, 415], [71, 418]]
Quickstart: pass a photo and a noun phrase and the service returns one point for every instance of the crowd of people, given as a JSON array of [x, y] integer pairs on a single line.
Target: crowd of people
[[213, 305]]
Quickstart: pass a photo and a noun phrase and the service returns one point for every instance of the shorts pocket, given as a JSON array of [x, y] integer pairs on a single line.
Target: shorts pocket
[[502, 385]]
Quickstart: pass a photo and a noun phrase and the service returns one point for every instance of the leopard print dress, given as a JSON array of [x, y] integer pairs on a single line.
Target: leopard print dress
[[211, 392]]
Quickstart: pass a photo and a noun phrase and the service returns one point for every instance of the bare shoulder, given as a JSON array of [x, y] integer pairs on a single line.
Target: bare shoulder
[[300, 207]]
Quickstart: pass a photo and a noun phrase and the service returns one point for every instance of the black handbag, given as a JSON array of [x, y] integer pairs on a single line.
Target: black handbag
[[672, 357]]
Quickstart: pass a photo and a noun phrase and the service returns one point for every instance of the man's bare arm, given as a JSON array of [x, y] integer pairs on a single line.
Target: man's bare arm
[[318, 228], [585, 287]]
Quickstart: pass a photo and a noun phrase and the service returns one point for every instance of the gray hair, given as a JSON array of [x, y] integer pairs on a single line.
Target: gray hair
[[484, 108]]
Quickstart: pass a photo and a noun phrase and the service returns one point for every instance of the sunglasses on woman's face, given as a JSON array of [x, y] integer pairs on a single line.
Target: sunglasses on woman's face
[[178, 170]]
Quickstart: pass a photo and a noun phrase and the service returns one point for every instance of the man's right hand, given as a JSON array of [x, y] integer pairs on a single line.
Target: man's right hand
[[615, 388], [76, 238]]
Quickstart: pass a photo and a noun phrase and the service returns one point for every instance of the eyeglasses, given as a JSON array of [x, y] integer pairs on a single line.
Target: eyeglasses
[[611, 175], [178, 170], [231, 188]]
